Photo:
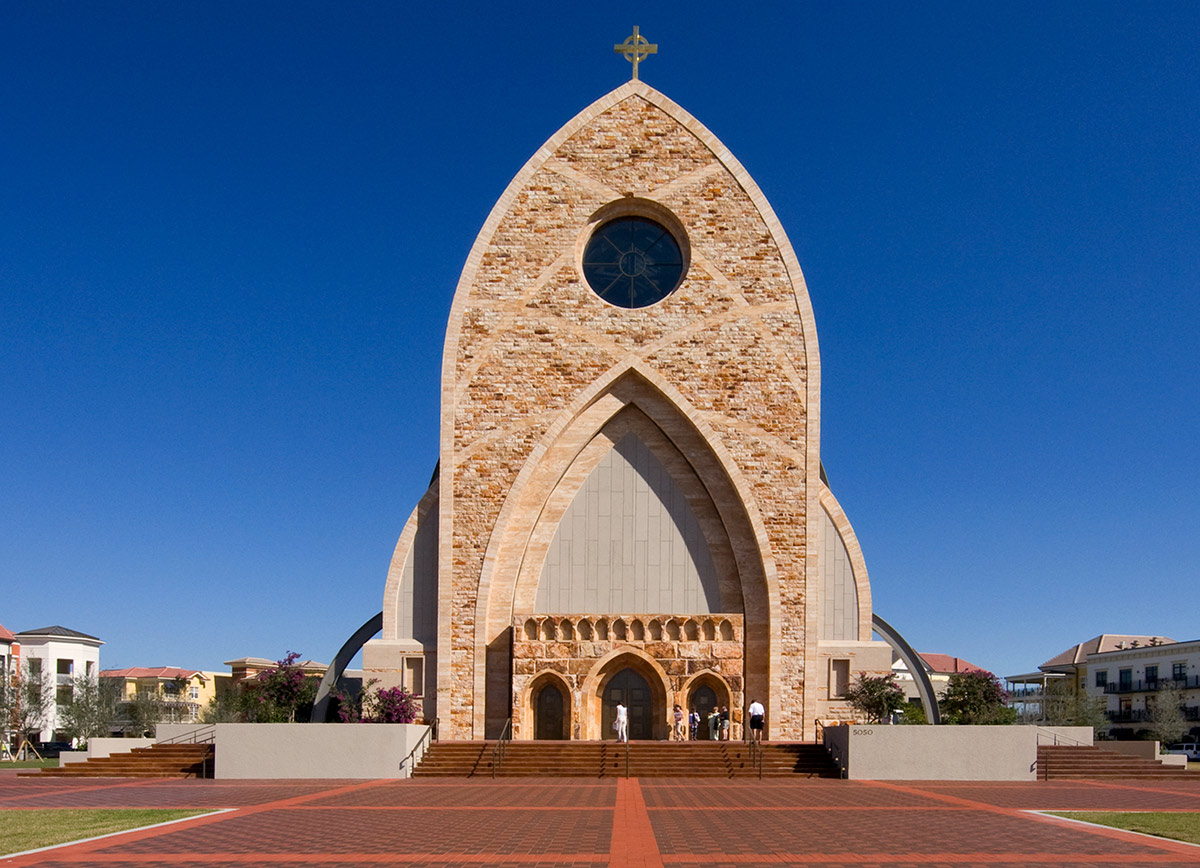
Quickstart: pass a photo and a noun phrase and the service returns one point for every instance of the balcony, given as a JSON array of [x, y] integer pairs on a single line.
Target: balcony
[[1141, 715], [1140, 686]]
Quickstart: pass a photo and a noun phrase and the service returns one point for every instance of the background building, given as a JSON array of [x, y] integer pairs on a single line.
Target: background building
[[57, 655]]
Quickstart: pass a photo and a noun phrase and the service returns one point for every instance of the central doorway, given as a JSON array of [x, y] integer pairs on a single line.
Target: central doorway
[[631, 690]]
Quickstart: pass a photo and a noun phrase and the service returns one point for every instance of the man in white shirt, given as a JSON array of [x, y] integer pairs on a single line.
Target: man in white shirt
[[757, 713], [622, 723]]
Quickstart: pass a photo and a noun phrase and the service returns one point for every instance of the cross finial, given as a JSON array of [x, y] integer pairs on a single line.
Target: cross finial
[[636, 49]]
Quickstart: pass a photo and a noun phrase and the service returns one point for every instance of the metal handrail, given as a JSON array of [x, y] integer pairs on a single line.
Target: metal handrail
[[1068, 740], [756, 757], [203, 735], [426, 736], [498, 751], [627, 757]]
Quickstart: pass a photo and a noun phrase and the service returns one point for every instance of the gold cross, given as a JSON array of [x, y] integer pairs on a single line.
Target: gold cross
[[636, 49]]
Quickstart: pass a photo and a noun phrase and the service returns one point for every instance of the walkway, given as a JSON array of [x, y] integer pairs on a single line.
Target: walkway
[[584, 823]]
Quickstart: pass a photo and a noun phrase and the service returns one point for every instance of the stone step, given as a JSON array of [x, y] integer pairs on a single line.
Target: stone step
[[156, 761], [608, 759], [1060, 762]]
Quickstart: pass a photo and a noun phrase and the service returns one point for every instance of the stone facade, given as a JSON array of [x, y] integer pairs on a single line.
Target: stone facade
[[541, 376]]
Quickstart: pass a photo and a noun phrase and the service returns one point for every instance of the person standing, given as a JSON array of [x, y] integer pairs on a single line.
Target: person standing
[[678, 716], [714, 723], [757, 713], [694, 724], [622, 723], [724, 721]]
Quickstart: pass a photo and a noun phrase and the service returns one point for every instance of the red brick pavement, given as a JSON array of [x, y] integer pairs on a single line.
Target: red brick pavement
[[581, 823]]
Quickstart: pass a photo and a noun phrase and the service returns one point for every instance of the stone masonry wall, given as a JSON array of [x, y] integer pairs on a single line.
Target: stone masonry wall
[[527, 336]]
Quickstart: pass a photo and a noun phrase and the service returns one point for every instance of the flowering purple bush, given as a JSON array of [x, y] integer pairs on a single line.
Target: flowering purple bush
[[281, 694], [378, 705]]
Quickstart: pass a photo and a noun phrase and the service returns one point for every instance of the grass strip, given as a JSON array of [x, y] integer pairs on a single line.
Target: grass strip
[[30, 764], [1164, 824], [29, 830]]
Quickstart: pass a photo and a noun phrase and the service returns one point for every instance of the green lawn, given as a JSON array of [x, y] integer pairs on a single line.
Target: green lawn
[[30, 764], [1180, 827], [28, 830]]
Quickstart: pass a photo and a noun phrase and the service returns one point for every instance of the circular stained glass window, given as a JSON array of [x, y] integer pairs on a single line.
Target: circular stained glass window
[[632, 262]]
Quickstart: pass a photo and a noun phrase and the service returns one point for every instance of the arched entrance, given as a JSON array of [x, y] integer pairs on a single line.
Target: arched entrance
[[702, 701], [705, 693], [631, 690], [550, 705], [548, 712]]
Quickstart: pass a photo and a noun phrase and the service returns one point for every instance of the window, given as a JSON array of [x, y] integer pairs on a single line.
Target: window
[[1151, 677], [1125, 679], [414, 675], [839, 678], [193, 692], [633, 262], [66, 667], [1102, 678], [1179, 671], [89, 669], [35, 668]]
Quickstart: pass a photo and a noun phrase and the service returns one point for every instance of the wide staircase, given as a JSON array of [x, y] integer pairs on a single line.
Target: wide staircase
[[607, 759], [156, 761], [1059, 762]]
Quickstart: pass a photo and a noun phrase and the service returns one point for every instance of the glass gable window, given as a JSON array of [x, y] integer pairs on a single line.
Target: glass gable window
[[632, 262]]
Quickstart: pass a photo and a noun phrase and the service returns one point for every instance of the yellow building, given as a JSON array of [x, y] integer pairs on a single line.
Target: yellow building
[[184, 692]]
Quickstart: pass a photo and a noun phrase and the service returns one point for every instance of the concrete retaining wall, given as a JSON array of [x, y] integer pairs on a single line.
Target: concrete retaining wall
[[309, 750], [944, 753]]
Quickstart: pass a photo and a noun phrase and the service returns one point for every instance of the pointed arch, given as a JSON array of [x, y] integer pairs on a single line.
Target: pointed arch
[[517, 544]]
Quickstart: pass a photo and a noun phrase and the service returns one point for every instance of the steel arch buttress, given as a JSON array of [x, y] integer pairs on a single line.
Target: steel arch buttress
[[915, 665], [333, 674]]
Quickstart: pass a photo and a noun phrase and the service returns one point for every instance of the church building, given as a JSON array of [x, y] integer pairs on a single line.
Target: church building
[[629, 504]]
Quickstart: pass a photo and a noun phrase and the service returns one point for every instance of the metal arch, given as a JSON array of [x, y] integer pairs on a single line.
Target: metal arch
[[915, 665], [321, 707]]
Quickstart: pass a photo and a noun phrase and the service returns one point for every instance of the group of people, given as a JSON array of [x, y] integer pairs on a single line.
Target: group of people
[[687, 726]]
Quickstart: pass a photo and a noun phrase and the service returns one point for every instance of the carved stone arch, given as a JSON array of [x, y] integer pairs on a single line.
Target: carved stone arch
[[708, 630], [637, 632], [655, 630], [602, 629], [549, 631], [585, 629], [509, 554], [531, 629], [529, 698], [673, 633], [681, 468], [691, 630], [566, 631], [858, 564], [725, 631], [618, 630], [592, 689], [720, 687]]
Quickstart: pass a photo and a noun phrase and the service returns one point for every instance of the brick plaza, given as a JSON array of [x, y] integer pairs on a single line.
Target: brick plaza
[[581, 823]]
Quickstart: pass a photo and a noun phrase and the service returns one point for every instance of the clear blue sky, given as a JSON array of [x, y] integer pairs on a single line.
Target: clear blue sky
[[230, 233]]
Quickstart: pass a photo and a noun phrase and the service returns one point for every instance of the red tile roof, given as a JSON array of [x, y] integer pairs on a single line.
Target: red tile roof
[[946, 663], [6, 635], [151, 672]]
